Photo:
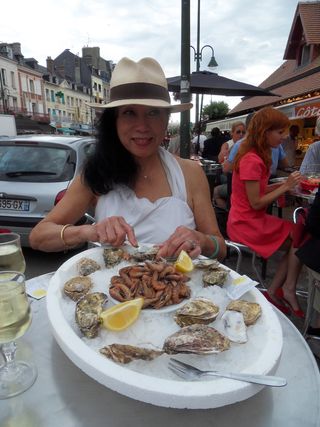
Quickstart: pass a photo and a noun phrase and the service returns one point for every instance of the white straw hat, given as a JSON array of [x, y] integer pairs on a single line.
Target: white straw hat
[[140, 83]]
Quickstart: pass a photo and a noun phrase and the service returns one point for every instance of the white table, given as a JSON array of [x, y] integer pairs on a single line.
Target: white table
[[64, 396]]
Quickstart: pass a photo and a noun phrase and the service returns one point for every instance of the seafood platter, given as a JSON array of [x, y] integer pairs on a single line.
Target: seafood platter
[[188, 316]]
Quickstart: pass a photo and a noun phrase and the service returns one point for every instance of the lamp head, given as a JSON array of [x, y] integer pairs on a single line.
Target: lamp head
[[213, 62]]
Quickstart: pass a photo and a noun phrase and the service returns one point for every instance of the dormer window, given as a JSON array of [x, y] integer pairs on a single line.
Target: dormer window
[[305, 55]]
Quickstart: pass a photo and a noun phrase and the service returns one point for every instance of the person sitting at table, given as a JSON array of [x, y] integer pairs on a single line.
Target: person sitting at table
[[141, 192], [278, 161], [220, 194], [290, 145], [238, 131], [248, 222], [311, 161], [308, 254], [212, 145]]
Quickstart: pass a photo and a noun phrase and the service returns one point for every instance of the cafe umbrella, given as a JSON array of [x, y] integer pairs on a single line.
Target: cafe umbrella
[[207, 83]]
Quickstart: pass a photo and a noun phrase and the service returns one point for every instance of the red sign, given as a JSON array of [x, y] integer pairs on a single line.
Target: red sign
[[308, 110]]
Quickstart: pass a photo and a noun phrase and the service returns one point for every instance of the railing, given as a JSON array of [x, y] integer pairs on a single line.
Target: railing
[[22, 112]]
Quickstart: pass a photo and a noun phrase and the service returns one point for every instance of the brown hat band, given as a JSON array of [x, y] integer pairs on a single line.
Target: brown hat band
[[139, 91]]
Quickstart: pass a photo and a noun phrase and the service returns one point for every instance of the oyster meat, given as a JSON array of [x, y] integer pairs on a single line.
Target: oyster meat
[[124, 353], [206, 263], [251, 310], [214, 275], [198, 339], [113, 256], [199, 310], [145, 255], [234, 326], [76, 287], [88, 310], [86, 266]]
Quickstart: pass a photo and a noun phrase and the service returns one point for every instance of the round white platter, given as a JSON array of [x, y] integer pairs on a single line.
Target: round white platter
[[152, 381]]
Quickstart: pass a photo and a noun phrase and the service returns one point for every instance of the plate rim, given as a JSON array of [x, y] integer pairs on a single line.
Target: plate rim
[[148, 388]]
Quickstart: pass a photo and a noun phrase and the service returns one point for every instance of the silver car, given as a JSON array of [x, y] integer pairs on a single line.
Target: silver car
[[35, 172]]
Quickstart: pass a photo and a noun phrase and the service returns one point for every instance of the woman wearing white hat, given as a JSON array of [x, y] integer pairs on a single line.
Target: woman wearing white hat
[[141, 193]]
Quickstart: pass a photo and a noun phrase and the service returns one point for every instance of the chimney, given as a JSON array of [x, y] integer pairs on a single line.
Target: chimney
[[60, 69], [50, 66], [77, 70]]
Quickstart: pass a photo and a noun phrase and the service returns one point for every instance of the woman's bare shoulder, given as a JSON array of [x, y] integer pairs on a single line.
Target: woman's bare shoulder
[[189, 166]]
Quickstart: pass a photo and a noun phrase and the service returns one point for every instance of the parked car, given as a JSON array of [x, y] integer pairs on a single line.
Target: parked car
[[35, 172]]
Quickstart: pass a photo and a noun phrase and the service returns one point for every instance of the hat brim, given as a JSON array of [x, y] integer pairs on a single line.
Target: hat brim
[[177, 108]]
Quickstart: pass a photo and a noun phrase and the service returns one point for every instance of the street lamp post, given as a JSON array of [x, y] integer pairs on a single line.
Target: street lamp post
[[198, 59]]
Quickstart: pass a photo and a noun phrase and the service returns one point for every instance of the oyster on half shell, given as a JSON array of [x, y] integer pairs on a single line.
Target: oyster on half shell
[[125, 353], [198, 339], [113, 256], [88, 310], [251, 310], [199, 310], [214, 275], [86, 266], [149, 254], [234, 327], [76, 287]]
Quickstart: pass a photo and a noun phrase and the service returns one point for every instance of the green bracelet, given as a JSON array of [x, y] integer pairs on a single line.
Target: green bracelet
[[216, 251]]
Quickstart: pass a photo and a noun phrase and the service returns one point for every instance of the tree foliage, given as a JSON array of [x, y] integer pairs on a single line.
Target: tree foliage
[[215, 110]]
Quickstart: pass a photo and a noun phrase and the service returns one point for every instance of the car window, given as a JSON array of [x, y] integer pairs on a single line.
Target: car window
[[47, 163]]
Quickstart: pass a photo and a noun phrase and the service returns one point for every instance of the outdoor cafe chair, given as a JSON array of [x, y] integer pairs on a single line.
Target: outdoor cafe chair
[[313, 285]]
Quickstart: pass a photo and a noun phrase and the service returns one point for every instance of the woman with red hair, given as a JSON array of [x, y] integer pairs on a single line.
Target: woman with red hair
[[248, 222]]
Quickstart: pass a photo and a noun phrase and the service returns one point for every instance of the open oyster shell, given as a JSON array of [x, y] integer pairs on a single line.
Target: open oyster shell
[[88, 310], [124, 353], [199, 310], [86, 266], [206, 263], [149, 254], [234, 327], [198, 339], [113, 256], [76, 287], [214, 275], [251, 310]]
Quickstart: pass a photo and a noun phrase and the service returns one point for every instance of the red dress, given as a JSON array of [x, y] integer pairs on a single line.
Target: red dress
[[255, 228]]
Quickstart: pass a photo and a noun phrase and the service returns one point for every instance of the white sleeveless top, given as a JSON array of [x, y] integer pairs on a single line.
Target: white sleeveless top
[[153, 222]]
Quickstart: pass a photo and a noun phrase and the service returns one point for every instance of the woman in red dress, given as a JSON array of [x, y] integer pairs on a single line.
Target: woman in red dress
[[248, 222]]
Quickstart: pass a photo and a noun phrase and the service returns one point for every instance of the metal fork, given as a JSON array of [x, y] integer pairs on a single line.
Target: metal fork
[[188, 372]]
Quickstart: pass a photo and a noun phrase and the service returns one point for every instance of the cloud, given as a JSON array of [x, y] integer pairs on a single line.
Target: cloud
[[248, 37]]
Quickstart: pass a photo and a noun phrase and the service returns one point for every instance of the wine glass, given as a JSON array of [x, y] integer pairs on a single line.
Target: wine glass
[[11, 256], [15, 318]]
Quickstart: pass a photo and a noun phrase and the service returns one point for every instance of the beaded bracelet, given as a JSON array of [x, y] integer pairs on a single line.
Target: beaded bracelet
[[216, 251], [66, 247]]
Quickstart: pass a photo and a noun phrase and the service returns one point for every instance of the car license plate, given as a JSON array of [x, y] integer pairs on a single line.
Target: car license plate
[[14, 205]]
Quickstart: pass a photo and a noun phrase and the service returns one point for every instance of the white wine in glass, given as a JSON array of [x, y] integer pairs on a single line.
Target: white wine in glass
[[11, 256], [15, 318]]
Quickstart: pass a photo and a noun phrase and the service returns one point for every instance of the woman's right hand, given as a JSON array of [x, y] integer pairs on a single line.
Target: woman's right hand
[[293, 179], [115, 230]]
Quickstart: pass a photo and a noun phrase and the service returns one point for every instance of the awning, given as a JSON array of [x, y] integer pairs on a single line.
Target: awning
[[27, 125]]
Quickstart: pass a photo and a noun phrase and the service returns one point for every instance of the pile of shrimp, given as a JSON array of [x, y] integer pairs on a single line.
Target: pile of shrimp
[[159, 283]]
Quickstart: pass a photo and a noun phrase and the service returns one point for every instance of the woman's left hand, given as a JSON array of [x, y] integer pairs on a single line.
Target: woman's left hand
[[182, 239]]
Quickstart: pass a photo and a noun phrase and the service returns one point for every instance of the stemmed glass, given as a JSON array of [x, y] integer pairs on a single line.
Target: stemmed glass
[[11, 256], [15, 318]]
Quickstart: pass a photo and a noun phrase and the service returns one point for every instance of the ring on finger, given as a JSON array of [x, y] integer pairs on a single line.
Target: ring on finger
[[193, 244]]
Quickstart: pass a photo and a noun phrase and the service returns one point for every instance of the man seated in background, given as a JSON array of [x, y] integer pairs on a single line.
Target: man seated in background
[[311, 162], [291, 144]]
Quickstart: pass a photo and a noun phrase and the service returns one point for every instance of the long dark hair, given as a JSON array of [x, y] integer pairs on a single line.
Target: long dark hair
[[111, 163]]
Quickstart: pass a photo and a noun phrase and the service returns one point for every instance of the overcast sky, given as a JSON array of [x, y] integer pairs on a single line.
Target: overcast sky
[[249, 37]]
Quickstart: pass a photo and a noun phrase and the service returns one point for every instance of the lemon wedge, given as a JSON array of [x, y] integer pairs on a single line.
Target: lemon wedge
[[184, 263], [121, 316]]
